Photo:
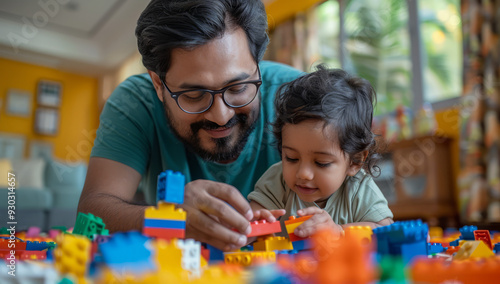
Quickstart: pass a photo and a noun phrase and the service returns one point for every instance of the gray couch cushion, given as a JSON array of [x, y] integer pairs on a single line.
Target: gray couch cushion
[[28, 198]]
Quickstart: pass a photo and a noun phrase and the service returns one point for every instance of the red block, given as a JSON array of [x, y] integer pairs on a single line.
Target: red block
[[262, 227], [483, 235], [294, 238], [163, 233]]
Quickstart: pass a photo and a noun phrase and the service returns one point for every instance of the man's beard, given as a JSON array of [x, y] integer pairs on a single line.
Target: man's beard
[[222, 152]]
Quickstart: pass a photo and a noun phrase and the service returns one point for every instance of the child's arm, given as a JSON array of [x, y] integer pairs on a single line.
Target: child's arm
[[322, 219], [259, 212]]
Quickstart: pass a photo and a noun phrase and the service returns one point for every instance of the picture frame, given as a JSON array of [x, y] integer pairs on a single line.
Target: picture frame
[[18, 103], [47, 121], [49, 93]]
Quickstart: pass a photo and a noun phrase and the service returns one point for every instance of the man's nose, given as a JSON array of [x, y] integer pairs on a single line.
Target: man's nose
[[219, 112]]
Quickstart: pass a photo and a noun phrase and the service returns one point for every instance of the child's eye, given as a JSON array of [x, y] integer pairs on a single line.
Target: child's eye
[[323, 165], [288, 159]]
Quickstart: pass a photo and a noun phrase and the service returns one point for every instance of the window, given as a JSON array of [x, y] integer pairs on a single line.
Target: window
[[411, 51]]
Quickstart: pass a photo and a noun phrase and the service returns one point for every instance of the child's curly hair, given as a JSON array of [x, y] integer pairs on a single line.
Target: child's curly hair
[[344, 102]]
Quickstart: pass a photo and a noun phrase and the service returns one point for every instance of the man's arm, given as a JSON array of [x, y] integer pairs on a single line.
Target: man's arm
[[108, 193], [212, 208]]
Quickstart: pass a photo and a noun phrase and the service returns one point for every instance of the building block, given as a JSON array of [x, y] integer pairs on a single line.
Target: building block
[[262, 227], [164, 233], [168, 256], [127, 251], [215, 254], [72, 255], [363, 234], [293, 222], [191, 256], [165, 211], [89, 225], [436, 232], [496, 248], [271, 243], [249, 258], [452, 249], [170, 187], [433, 248], [411, 250], [438, 270], [40, 245], [33, 232], [302, 245], [455, 243], [467, 232], [473, 249], [18, 244], [165, 223], [483, 235]]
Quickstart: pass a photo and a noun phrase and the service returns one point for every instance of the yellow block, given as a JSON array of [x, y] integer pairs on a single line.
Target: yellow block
[[165, 211], [362, 234], [272, 243], [249, 257], [471, 249]]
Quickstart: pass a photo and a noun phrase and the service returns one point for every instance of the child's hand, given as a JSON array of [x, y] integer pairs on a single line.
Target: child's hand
[[320, 220], [269, 215]]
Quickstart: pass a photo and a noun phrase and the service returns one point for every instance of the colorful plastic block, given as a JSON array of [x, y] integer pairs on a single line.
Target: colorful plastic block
[[262, 227], [165, 223], [483, 235], [293, 222], [127, 251], [215, 254], [362, 234], [496, 248], [467, 232], [433, 248], [249, 258], [473, 249], [164, 233], [437, 270], [271, 243], [89, 225], [72, 255], [39, 245], [165, 211], [304, 244], [191, 256], [170, 187]]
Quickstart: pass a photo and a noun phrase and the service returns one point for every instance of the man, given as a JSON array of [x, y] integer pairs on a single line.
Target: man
[[203, 110]]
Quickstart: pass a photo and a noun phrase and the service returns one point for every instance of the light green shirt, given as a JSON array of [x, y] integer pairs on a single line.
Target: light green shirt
[[357, 200]]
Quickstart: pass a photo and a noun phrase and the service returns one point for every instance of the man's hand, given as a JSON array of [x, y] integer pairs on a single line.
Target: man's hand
[[213, 209], [320, 220]]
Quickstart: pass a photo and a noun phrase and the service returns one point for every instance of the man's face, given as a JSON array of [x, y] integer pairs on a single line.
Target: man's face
[[220, 133]]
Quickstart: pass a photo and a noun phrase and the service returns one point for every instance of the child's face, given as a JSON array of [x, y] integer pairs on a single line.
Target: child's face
[[314, 166]]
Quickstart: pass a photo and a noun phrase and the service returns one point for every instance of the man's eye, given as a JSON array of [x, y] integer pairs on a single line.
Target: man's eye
[[193, 96], [238, 89]]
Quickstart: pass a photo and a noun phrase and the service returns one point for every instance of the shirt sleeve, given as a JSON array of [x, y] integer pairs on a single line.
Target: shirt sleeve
[[368, 201], [123, 134], [269, 191]]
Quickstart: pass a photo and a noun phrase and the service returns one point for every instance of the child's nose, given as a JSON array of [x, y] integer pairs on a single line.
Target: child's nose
[[305, 172]]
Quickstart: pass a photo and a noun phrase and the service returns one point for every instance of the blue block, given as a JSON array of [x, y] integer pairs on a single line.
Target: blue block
[[496, 248], [301, 245], [409, 251], [39, 246], [467, 232], [164, 223], [170, 187], [403, 232], [433, 248], [455, 243], [127, 252], [215, 254]]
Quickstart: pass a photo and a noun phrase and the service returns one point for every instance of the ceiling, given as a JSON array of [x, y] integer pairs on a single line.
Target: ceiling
[[83, 36]]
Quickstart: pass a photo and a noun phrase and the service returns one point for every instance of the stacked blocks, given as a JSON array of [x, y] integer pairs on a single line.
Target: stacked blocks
[[127, 251], [165, 221], [170, 187], [405, 238], [89, 225]]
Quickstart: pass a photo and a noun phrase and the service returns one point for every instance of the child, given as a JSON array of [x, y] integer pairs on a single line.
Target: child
[[323, 130]]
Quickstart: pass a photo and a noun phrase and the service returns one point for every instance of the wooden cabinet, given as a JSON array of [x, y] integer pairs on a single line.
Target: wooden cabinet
[[417, 179]]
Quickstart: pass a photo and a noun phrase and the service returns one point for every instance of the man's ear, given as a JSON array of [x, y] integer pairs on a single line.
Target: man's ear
[[157, 84], [355, 167]]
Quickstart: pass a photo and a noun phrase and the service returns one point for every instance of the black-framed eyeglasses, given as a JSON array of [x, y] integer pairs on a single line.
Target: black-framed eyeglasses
[[200, 100]]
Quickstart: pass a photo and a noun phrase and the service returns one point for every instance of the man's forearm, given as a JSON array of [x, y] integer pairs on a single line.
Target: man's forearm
[[119, 215]]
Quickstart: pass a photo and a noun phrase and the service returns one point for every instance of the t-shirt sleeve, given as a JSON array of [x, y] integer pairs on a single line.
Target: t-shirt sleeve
[[122, 135], [368, 201], [269, 191]]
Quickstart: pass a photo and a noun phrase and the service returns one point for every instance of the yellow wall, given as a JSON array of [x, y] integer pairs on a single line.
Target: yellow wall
[[279, 11], [79, 115]]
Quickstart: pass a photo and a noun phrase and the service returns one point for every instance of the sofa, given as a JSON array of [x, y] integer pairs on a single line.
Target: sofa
[[46, 192]]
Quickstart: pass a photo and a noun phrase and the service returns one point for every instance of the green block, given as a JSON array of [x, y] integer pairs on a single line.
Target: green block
[[89, 225]]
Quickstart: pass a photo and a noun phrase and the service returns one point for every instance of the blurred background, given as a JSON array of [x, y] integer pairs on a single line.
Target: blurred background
[[435, 65]]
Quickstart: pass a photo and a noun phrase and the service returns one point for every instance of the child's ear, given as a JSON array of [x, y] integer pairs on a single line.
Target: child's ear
[[355, 167]]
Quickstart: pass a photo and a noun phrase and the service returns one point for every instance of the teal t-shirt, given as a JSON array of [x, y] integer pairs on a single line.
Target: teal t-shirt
[[134, 131]]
